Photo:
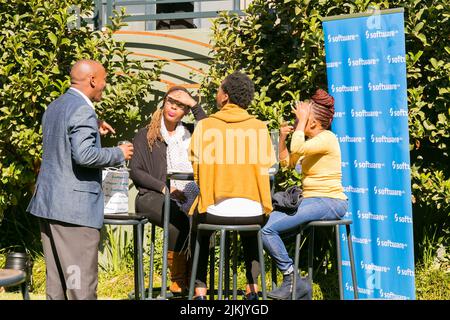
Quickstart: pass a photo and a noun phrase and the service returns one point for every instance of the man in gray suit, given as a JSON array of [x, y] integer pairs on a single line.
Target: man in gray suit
[[68, 196]]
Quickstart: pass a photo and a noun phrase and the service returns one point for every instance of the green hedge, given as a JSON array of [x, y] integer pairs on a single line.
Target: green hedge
[[37, 49]]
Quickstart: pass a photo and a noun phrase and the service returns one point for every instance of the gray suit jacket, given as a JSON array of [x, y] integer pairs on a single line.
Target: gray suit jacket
[[69, 187]]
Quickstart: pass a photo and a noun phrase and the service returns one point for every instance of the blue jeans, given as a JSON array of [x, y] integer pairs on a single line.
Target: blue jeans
[[282, 224]]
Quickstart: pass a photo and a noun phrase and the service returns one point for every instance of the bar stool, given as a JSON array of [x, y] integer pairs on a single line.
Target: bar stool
[[138, 223], [184, 176], [326, 223], [223, 229], [164, 293]]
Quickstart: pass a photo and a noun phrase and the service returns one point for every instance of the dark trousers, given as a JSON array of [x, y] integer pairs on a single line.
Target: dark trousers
[[248, 239], [71, 258], [151, 206]]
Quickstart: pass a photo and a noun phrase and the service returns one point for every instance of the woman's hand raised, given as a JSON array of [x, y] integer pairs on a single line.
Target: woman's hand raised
[[285, 129], [183, 98], [302, 111]]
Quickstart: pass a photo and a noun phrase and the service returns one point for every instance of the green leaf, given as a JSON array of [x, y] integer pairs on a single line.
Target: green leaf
[[442, 118], [65, 41], [53, 38], [434, 63], [428, 125], [418, 55], [422, 38], [418, 27], [55, 69]]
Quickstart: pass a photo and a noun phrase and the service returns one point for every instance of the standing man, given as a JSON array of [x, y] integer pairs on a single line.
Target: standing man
[[68, 196]]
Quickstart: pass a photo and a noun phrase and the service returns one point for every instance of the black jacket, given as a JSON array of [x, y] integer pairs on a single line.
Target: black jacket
[[288, 201], [149, 168]]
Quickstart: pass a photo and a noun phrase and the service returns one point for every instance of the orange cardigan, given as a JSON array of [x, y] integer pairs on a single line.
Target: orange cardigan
[[231, 153]]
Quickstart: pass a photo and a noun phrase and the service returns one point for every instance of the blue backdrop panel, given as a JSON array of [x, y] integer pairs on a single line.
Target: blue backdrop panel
[[366, 72]]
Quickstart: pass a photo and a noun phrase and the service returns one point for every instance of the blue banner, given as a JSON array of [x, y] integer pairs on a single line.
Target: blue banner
[[366, 69]]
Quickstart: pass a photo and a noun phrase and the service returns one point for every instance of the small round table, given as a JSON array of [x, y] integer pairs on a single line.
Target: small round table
[[11, 277]]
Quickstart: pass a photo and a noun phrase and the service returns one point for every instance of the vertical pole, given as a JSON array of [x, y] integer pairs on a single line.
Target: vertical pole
[[109, 10], [227, 266], [262, 265], [212, 264], [165, 238], [24, 290], [101, 22], [97, 5], [140, 242], [236, 5], [297, 254], [311, 256], [152, 262], [221, 262], [352, 261], [234, 265], [274, 274], [150, 9], [198, 8], [194, 265], [136, 267], [338, 251]]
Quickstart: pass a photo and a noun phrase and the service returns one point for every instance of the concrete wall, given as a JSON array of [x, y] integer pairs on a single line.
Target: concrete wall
[[186, 53]]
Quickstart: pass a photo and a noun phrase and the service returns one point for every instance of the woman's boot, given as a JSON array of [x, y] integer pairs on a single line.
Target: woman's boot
[[178, 270], [284, 292]]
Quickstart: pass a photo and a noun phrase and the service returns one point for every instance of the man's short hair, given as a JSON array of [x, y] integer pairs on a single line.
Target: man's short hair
[[240, 89]]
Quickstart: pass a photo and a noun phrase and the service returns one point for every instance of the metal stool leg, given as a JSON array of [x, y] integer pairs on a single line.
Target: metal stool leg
[[262, 265], [136, 263], [274, 274], [311, 256], [152, 262], [194, 265], [221, 263], [163, 293], [227, 266], [140, 242], [212, 263], [297, 254], [24, 290], [234, 265], [352, 261], [338, 251]]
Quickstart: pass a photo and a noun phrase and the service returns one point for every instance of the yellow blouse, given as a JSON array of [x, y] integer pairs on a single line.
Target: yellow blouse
[[320, 158]]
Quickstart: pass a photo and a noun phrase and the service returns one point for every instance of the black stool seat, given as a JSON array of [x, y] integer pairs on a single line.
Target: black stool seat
[[124, 216], [327, 223], [223, 229]]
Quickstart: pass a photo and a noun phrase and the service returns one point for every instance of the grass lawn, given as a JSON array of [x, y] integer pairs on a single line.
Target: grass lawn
[[431, 284]]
